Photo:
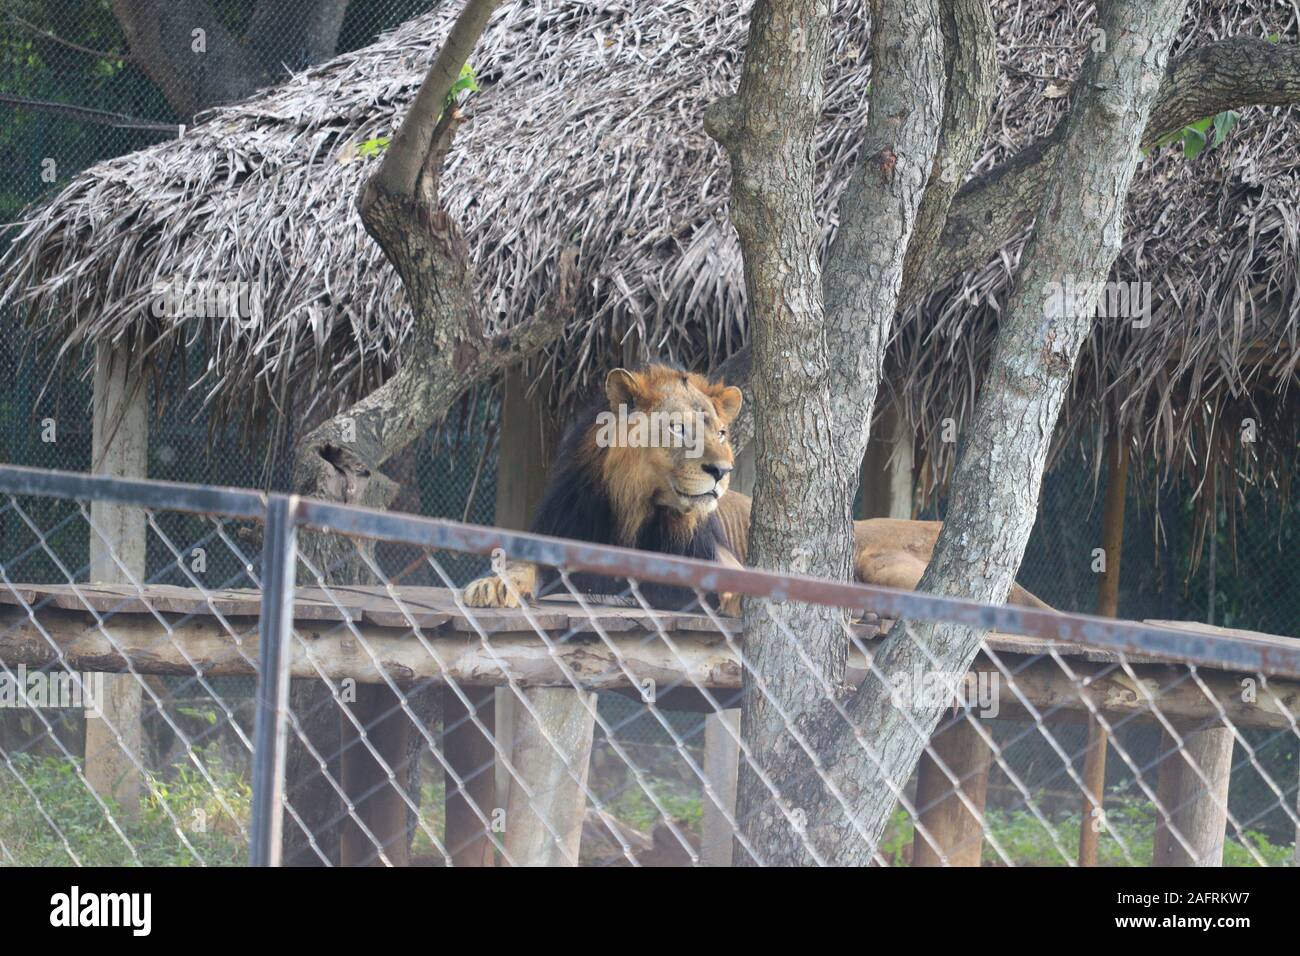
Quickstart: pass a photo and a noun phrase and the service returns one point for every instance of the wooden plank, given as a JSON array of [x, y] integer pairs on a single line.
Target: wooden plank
[[503, 621], [18, 594], [434, 608]]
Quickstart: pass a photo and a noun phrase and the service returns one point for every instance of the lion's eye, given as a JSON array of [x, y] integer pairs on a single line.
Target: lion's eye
[[722, 433]]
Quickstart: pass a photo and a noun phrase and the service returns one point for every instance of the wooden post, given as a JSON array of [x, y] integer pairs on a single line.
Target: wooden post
[[1112, 543], [887, 469], [721, 769], [119, 446], [377, 803], [557, 798], [528, 432], [472, 756], [721, 748], [1198, 813], [955, 831], [524, 440]]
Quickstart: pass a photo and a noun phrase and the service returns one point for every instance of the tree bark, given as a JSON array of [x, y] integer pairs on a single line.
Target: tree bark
[[767, 130], [814, 364], [994, 492]]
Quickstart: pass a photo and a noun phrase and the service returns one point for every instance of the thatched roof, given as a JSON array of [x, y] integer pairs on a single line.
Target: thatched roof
[[1217, 236], [588, 132]]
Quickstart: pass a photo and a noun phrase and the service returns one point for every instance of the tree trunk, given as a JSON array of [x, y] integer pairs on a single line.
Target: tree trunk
[[197, 63], [767, 130], [865, 745], [814, 366], [994, 492]]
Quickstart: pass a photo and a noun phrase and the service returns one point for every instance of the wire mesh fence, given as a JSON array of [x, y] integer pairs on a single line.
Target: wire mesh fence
[[400, 723]]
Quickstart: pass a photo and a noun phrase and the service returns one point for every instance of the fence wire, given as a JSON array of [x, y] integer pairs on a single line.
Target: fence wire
[[598, 723]]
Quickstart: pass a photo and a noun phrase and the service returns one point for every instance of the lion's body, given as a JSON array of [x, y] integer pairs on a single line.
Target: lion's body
[[891, 552], [658, 499]]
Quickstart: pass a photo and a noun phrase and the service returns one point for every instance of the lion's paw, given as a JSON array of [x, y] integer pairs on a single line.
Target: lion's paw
[[729, 604], [493, 591]]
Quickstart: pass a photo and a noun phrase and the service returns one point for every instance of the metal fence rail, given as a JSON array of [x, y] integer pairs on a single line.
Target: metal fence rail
[[394, 687]]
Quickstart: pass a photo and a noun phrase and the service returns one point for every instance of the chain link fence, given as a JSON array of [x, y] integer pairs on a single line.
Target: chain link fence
[[394, 723], [69, 99]]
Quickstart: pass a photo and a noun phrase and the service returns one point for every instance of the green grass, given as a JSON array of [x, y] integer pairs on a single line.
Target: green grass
[[91, 839], [28, 839], [1026, 842], [633, 807]]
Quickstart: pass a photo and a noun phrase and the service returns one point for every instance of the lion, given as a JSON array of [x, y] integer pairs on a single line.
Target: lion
[[648, 465]]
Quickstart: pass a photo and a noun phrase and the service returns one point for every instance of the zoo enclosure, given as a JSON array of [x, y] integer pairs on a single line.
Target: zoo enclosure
[[1223, 705]]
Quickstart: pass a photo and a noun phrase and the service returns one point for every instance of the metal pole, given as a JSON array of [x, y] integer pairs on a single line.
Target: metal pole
[[279, 554]]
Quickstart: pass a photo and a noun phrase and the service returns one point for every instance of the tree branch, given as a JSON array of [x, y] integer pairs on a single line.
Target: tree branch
[[877, 213], [971, 84], [406, 156], [998, 206], [101, 54]]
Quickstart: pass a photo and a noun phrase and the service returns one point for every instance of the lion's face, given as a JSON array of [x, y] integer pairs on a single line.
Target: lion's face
[[666, 435]]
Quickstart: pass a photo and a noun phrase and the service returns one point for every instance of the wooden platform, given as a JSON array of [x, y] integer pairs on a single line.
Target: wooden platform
[[365, 632]]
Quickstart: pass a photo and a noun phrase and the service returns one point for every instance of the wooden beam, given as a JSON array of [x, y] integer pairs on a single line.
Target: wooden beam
[[525, 437], [119, 447], [1112, 542], [701, 657], [955, 835]]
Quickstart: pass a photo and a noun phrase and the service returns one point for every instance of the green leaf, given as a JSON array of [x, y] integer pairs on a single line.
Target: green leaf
[[1223, 124], [1194, 137], [1193, 142], [466, 81], [373, 147]]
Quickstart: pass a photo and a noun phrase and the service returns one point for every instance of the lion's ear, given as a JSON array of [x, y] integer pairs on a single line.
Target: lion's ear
[[621, 388], [728, 401]]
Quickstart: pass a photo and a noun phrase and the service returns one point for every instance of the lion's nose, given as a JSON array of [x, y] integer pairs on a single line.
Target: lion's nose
[[717, 472]]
